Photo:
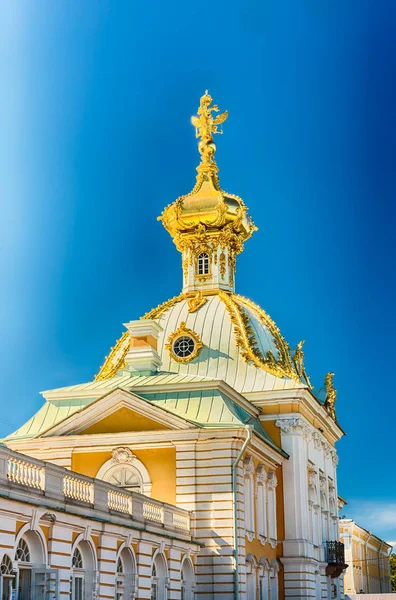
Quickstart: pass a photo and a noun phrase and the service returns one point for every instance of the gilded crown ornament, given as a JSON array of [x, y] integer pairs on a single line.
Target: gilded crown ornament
[[208, 220], [205, 126]]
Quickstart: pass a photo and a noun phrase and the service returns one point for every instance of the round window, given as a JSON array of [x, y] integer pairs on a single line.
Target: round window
[[183, 346]]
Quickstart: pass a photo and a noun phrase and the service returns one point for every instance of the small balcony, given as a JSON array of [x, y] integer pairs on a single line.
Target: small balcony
[[335, 558]]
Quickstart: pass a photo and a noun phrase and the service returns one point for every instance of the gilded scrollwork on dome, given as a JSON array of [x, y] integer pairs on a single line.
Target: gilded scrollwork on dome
[[115, 360]]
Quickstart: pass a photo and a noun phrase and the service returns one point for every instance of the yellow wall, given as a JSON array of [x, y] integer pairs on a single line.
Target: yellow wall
[[160, 463], [124, 419]]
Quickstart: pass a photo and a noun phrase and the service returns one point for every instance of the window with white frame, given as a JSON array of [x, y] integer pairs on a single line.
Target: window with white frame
[[125, 470], [313, 505], [251, 565], [274, 582], [272, 482], [324, 506], [203, 264], [7, 578], [187, 580], [159, 581], [264, 583], [125, 588], [248, 493], [261, 505]]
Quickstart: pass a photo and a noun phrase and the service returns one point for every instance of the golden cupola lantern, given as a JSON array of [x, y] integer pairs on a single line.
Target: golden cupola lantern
[[208, 225]]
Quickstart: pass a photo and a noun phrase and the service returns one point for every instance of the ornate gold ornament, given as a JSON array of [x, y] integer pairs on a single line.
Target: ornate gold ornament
[[208, 216], [196, 302], [331, 396], [246, 339], [115, 359], [298, 360], [156, 312], [183, 332], [222, 263]]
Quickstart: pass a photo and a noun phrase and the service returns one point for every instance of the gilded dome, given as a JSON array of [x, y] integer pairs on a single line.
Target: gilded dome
[[239, 343], [208, 209]]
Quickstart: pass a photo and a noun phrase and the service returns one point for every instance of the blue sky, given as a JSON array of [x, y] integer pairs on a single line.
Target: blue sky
[[96, 139]]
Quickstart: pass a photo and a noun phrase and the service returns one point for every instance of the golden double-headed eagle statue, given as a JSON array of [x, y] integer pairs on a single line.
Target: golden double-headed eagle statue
[[205, 124]]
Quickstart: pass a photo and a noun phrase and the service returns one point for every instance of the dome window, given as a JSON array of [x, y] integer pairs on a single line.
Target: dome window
[[203, 264], [183, 344]]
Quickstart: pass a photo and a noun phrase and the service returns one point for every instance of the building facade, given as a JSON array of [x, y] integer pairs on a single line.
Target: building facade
[[202, 405], [367, 557]]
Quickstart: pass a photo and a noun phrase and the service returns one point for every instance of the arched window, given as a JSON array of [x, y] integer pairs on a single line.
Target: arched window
[[78, 576], [83, 573], [126, 471], [159, 578], [313, 506], [248, 492], [274, 583], [7, 578], [251, 565], [264, 571], [126, 575], [187, 580], [77, 562], [22, 553], [203, 264], [272, 482], [261, 481]]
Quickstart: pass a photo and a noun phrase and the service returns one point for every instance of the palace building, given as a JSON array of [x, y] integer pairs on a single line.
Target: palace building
[[199, 462], [367, 556]]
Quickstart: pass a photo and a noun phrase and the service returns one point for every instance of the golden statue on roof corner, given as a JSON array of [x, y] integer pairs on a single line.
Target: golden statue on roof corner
[[331, 395], [298, 360], [206, 126]]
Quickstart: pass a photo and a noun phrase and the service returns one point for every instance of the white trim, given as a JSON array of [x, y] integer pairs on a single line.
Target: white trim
[[111, 465], [107, 405], [38, 531]]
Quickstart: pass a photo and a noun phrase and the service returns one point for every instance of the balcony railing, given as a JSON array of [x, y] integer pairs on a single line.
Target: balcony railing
[[56, 484], [335, 553], [335, 558]]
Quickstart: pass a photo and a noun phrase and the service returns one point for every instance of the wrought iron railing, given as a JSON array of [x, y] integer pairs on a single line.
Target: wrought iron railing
[[335, 553]]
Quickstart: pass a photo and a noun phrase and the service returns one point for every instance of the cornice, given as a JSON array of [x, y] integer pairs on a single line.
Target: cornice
[[296, 425], [106, 405], [270, 399]]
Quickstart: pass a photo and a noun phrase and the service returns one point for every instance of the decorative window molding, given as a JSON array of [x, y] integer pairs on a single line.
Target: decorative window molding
[[187, 579], [313, 505], [274, 583], [272, 483], [264, 579], [248, 489], [124, 468], [183, 332], [261, 503], [251, 577], [6, 567]]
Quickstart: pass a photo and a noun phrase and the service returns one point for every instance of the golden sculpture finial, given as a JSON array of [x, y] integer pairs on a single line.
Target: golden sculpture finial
[[206, 126], [298, 360], [331, 395]]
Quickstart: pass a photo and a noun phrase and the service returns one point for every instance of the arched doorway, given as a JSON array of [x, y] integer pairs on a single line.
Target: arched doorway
[[7, 578], [159, 578], [34, 579], [83, 573], [187, 580], [125, 588]]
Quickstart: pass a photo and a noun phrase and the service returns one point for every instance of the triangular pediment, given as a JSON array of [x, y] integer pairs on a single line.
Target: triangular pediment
[[118, 411]]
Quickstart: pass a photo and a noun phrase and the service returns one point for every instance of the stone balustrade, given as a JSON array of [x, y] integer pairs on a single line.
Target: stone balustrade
[[21, 474]]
